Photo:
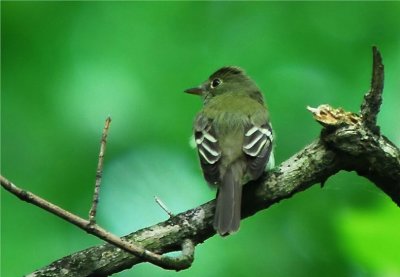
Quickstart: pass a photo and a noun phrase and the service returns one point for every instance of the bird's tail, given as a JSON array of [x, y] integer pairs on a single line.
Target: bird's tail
[[229, 199]]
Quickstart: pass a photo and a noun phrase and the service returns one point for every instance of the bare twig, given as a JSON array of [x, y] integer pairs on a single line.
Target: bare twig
[[42, 203], [373, 99], [163, 206], [99, 172], [90, 225], [94, 229]]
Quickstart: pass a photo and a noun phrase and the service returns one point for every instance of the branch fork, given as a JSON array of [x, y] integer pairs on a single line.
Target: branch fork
[[177, 263]]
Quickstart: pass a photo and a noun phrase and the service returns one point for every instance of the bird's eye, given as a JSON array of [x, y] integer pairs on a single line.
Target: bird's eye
[[215, 83]]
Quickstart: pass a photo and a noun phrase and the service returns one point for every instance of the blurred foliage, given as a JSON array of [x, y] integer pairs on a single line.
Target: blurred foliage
[[67, 65]]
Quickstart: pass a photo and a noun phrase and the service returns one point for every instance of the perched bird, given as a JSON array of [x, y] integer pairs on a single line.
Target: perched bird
[[234, 138]]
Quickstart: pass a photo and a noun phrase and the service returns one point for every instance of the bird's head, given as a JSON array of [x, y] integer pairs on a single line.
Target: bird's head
[[228, 79]]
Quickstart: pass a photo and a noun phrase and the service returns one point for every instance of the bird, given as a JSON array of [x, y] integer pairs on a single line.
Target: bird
[[234, 140]]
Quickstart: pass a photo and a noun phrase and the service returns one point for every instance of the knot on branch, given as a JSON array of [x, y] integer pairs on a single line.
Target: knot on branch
[[337, 117]]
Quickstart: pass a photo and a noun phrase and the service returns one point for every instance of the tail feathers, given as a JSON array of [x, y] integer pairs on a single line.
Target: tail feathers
[[227, 213]]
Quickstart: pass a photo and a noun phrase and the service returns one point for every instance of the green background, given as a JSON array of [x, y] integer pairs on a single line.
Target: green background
[[66, 66]]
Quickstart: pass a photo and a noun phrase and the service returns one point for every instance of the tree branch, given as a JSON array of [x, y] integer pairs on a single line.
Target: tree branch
[[196, 224], [99, 172], [373, 99], [183, 261], [347, 142]]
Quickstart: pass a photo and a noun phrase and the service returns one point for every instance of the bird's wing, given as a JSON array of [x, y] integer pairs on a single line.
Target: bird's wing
[[257, 146], [208, 148]]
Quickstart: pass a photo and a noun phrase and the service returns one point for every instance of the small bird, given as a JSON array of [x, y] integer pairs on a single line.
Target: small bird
[[234, 139]]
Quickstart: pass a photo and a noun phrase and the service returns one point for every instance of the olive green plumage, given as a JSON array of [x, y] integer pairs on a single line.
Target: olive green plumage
[[234, 139]]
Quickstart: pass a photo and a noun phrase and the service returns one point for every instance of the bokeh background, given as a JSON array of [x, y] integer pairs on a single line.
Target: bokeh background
[[66, 66]]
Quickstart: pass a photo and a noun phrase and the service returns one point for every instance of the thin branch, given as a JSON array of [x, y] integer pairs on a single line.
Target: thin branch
[[99, 172], [163, 206], [42, 203], [94, 229], [90, 225], [373, 99]]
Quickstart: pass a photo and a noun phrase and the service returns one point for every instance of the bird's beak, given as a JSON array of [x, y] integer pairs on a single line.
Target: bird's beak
[[196, 91]]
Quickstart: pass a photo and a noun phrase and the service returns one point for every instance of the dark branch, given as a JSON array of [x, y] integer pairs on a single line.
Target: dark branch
[[371, 156], [373, 99]]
